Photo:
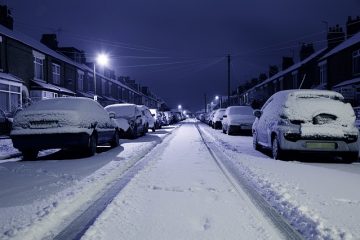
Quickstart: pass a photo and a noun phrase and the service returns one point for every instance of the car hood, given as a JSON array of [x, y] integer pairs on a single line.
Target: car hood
[[122, 123]]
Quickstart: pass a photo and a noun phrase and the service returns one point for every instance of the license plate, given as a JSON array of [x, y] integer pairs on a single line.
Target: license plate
[[320, 145]]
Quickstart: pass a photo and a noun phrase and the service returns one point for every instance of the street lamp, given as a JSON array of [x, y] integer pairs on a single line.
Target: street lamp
[[102, 59], [179, 107], [217, 98]]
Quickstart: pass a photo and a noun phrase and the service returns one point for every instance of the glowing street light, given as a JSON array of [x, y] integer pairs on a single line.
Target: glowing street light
[[216, 97], [102, 59], [179, 107]]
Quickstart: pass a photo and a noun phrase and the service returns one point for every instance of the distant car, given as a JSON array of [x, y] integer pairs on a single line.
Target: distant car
[[217, 118], [210, 118], [76, 123], [158, 118], [5, 123], [129, 119], [237, 119], [169, 117], [315, 121], [148, 118]]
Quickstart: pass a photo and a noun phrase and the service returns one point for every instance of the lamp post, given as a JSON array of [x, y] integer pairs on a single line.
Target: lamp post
[[102, 59], [179, 107]]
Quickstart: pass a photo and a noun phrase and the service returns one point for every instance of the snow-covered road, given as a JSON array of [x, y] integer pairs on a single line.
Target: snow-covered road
[[182, 195], [182, 192]]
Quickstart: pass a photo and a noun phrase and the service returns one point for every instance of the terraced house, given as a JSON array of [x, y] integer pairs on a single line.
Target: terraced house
[[335, 67], [31, 70]]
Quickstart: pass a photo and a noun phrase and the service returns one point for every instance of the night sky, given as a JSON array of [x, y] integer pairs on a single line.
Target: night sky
[[178, 48]]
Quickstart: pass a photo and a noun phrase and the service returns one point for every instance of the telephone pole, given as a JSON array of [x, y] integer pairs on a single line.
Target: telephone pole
[[229, 62], [205, 102]]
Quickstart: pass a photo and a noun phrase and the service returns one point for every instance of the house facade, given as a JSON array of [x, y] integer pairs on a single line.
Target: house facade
[[31, 71]]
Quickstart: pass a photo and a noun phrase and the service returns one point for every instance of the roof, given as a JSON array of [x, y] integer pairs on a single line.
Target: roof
[[8, 76], [345, 44], [51, 87], [290, 69], [348, 82]]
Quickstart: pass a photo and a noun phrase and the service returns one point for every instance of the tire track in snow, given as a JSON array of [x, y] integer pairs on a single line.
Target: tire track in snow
[[238, 181], [76, 228]]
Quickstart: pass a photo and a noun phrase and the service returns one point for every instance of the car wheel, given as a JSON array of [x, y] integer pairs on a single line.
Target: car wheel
[[255, 142], [350, 157], [91, 148], [153, 129], [223, 130], [277, 152], [29, 154], [115, 141]]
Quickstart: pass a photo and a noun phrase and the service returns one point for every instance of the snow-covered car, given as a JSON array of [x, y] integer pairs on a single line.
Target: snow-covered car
[[217, 118], [75, 123], [210, 118], [316, 121], [169, 117], [237, 119], [128, 118], [157, 117], [5, 123], [148, 119]]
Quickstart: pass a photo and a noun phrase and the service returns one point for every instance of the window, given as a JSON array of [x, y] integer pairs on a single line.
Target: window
[[80, 81], [356, 62], [56, 73], [10, 96], [295, 79], [38, 65], [323, 72]]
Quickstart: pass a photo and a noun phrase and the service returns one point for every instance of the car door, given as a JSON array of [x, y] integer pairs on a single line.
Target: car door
[[138, 120]]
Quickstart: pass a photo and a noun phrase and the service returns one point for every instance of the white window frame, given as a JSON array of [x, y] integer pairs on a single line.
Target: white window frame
[[80, 80], [38, 61], [56, 71], [356, 62], [323, 72], [9, 92]]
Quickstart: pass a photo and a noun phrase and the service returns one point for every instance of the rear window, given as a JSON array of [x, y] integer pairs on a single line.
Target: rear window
[[241, 110], [121, 110], [77, 104]]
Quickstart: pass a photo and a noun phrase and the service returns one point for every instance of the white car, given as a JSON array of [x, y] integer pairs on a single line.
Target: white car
[[147, 117], [312, 121], [217, 118], [237, 119], [128, 118], [78, 123]]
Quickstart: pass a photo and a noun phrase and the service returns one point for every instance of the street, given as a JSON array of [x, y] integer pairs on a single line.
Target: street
[[190, 182]]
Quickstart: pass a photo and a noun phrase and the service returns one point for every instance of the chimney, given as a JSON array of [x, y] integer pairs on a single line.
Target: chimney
[[273, 69], [287, 62], [5, 17], [335, 36], [306, 50], [50, 40], [352, 26]]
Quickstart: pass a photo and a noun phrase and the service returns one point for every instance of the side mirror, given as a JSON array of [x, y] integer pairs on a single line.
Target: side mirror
[[257, 113], [112, 115], [225, 116], [153, 115]]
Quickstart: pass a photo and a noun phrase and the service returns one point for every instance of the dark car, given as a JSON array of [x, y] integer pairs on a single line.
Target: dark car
[[75, 123], [5, 123]]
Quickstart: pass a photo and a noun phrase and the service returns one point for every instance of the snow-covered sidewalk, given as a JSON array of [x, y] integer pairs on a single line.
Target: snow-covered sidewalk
[[182, 194]]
